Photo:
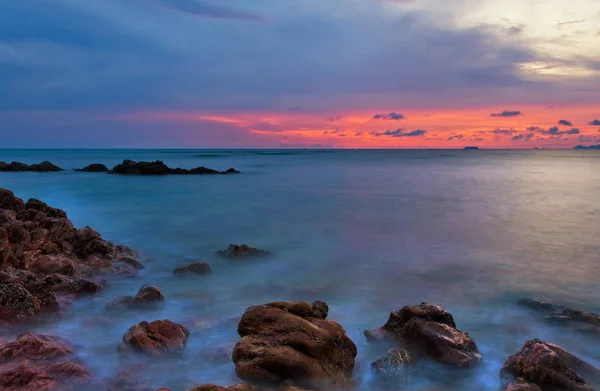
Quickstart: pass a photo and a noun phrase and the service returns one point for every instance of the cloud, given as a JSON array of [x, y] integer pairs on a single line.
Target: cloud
[[506, 132], [565, 122], [522, 136], [595, 122], [506, 113], [553, 131], [455, 137], [400, 133], [393, 116], [333, 119], [203, 9]]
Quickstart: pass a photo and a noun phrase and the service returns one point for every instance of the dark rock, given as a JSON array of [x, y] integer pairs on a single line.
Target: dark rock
[[539, 304], [17, 303], [95, 167], [148, 296], [213, 387], [429, 331], [129, 167], [137, 265], [158, 338], [236, 252], [567, 317], [397, 363], [232, 171], [292, 342], [193, 269], [44, 166], [544, 366]]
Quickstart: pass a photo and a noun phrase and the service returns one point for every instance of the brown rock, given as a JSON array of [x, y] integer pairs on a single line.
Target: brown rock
[[213, 387], [16, 303], [542, 365], [158, 338], [293, 342], [430, 331], [193, 269], [235, 252], [397, 363], [148, 296]]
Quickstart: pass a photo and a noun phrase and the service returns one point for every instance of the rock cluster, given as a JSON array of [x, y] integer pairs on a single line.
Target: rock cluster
[[130, 167], [242, 252], [95, 167], [44, 166], [567, 317], [193, 269]]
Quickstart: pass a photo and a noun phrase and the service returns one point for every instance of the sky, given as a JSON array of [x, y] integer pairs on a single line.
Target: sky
[[299, 73]]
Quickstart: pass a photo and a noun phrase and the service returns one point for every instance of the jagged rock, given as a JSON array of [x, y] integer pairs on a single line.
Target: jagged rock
[[95, 167], [44, 166], [292, 342], [158, 338], [429, 331], [236, 252], [148, 296], [397, 363], [545, 366], [567, 317], [193, 269], [129, 167]]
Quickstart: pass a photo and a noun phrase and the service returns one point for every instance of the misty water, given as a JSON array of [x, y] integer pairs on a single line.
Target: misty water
[[366, 231]]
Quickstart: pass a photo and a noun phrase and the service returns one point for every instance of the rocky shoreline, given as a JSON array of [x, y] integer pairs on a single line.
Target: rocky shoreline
[[46, 263]]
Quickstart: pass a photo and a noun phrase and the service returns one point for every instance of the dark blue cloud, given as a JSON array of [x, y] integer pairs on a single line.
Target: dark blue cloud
[[506, 113], [595, 122], [506, 132], [455, 137], [522, 136], [565, 122], [553, 131], [393, 116], [400, 133]]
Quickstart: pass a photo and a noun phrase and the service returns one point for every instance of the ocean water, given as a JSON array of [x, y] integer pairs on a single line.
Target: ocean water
[[366, 231]]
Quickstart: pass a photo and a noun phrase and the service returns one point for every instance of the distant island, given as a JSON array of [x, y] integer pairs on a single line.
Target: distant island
[[587, 146], [467, 148]]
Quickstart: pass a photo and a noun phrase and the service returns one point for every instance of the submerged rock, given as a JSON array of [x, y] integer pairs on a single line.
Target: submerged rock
[[45, 261], [292, 342], [544, 366], [397, 363], [236, 252], [44, 166], [193, 269], [148, 296], [213, 387], [127, 381], [40, 362], [130, 167], [429, 331], [158, 338], [95, 167], [567, 317]]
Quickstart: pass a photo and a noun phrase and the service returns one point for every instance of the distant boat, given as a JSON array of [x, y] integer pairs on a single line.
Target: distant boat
[[469, 148]]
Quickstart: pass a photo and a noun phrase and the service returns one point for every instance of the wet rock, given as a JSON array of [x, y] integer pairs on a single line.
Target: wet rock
[[537, 304], [39, 362], [148, 296], [397, 363], [127, 381], [236, 252], [193, 269], [430, 331], [137, 265], [293, 342], [41, 251], [545, 366], [17, 303], [44, 166], [158, 338], [95, 167], [130, 167], [213, 387]]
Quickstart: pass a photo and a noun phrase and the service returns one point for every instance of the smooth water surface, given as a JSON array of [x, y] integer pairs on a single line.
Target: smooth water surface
[[366, 231]]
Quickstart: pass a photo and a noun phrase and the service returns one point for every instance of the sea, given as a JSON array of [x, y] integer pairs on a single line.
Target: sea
[[367, 231]]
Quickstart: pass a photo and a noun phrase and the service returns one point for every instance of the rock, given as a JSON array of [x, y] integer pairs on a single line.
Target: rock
[[147, 297], [292, 342], [137, 265], [397, 363], [126, 381], [213, 387], [429, 331], [54, 262], [44, 166], [544, 366], [129, 167], [95, 167], [568, 317], [193, 269], [39, 362], [158, 338], [235, 252], [539, 304]]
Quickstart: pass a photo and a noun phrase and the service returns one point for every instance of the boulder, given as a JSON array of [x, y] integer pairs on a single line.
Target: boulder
[[397, 363], [156, 339], [429, 331], [95, 167], [292, 342], [193, 269], [147, 297], [545, 366], [236, 252]]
